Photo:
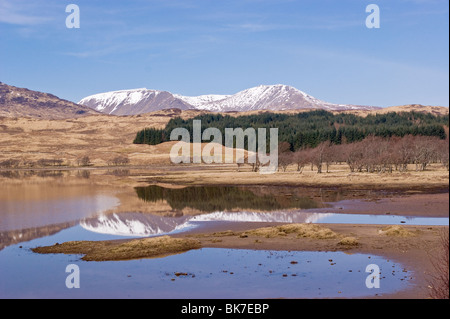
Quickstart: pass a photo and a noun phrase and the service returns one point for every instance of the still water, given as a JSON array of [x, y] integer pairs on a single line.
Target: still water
[[197, 207], [44, 212], [205, 273]]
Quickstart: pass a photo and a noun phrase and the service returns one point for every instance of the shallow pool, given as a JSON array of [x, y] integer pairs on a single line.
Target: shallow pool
[[209, 273]]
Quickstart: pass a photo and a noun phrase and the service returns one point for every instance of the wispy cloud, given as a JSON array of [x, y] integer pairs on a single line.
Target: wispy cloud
[[328, 24], [256, 27], [21, 13]]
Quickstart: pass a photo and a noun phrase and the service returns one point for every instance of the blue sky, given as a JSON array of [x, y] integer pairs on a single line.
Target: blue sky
[[194, 47]]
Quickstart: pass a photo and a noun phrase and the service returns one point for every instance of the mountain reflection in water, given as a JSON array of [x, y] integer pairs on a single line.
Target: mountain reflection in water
[[191, 207], [140, 224], [210, 204]]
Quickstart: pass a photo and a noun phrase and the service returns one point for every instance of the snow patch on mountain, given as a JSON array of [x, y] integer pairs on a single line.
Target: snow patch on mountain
[[201, 102], [114, 99]]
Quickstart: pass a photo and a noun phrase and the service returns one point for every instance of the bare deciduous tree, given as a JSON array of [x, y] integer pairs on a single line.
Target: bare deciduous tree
[[320, 155], [120, 160], [285, 159], [302, 158], [84, 161]]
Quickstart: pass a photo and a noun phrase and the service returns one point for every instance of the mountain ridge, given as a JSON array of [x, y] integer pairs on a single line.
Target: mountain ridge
[[22, 102], [264, 97]]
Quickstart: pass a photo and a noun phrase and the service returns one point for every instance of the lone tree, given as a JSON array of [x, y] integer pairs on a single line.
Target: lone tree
[[84, 161]]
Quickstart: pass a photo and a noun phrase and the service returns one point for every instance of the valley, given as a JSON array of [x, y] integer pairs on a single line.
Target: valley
[[81, 178]]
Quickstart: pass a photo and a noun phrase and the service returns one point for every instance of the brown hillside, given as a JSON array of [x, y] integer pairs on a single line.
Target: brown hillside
[[21, 102]]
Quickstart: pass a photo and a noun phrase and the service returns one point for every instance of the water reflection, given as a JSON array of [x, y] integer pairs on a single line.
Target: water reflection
[[133, 224], [119, 172], [51, 173], [38, 209], [83, 174], [143, 225], [16, 236], [209, 199], [139, 224], [20, 174]]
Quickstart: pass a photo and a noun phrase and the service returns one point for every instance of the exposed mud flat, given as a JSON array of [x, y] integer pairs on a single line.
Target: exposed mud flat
[[116, 250]]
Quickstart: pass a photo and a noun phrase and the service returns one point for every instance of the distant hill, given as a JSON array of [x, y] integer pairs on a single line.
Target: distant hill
[[21, 102], [436, 110]]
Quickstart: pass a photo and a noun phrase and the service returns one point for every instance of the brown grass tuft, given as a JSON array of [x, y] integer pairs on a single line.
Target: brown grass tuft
[[301, 230], [348, 241], [396, 231]]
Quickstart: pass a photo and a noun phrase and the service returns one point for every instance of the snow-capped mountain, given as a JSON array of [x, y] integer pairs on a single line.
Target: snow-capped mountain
[[268, 97], [264, 97], [131, 102]]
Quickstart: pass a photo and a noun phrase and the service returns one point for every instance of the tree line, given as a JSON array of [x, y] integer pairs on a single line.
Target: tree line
[[310, 129], [373, 154]]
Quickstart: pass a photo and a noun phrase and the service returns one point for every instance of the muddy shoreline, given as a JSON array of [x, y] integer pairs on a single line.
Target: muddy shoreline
[[433, 180]]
